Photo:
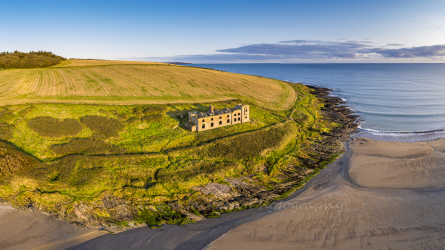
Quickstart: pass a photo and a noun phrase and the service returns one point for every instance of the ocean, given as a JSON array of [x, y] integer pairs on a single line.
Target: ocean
[[389, 98]]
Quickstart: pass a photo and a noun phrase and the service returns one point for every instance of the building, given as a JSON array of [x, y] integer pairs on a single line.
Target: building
[[200, 121]]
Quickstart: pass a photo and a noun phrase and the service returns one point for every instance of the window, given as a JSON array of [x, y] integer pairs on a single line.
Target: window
[[245, 117], [211, 124], [203, 120], [220, 122], [234, 114], [227, 116], [211, 119], [203, 126], [228, 120], [220, 117], [239, 118], [234, 120]]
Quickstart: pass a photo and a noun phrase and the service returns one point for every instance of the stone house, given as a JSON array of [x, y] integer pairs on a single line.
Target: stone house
[[200, 121]]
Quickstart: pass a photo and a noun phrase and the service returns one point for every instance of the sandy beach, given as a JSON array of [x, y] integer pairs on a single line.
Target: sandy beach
[[34, 230], [378, 195]]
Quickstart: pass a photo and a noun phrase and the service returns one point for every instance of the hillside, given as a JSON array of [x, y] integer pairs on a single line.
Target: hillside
[[119, 165], [91, 81]]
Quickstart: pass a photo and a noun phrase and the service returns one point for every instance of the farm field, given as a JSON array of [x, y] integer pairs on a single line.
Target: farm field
[[93, 81]]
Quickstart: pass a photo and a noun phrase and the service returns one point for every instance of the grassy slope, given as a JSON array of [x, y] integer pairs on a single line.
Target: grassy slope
[[113, 82], [153, 161]]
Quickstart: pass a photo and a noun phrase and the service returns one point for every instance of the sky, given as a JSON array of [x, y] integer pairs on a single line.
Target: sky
[[242, 31]]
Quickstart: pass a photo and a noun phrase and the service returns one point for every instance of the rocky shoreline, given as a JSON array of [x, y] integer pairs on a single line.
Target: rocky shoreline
[[243, 193]]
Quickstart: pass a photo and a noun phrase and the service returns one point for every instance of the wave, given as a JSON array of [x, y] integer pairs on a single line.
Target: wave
[[400, 133]]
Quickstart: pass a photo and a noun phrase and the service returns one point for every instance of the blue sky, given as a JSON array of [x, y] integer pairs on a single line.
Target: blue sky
[[228, 31]]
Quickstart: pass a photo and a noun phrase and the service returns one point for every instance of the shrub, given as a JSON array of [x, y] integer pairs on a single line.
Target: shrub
[[51, 127], [246, 145], [6, 115], [13, 160], [195, 169], [152, 118], [104, 126], [6, 131], [154, 110], [86, 147]]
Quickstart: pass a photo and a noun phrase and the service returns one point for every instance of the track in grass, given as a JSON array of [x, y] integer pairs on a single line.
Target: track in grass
[[80, 82]]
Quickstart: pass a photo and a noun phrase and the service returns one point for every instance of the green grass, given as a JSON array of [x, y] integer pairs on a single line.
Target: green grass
[[143, 154]]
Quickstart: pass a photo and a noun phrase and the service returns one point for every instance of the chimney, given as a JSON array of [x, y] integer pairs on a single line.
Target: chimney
[[211, 108]]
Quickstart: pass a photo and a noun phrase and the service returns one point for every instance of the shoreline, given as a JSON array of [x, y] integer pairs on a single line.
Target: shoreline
[[379, 194], [334, 108]]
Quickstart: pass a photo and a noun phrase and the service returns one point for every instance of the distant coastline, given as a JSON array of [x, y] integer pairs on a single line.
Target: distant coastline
[[178, 63]]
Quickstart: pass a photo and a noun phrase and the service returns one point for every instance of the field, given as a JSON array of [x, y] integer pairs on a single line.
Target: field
[[108, 165], [89, 62], [93, 81]]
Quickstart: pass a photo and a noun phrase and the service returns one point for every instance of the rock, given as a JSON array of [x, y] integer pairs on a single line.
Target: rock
[[193, 216]]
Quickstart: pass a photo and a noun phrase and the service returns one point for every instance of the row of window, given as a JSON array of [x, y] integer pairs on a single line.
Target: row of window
[[220, 122], [211, 119]]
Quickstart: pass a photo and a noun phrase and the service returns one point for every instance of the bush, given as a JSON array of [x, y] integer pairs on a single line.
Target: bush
[[13, 160], [6, 131], [104, 126], [6, 115], [51, 127], [152, 118], [154, 110], [32, 59], [246, 145], [194, 169], [86, 147]]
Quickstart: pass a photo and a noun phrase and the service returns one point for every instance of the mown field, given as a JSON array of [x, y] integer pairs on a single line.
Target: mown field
[[101, 164], [92, 81]]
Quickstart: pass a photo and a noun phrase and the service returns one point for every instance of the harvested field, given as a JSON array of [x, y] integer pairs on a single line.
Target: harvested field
[[88, 62], [139, 84], [51, 127], [104, 126], [86, 147]]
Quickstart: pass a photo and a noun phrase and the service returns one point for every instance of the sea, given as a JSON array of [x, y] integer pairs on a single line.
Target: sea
[[391, 99]]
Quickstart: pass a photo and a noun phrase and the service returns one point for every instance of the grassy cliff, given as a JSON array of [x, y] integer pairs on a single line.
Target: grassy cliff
[[106, 165]]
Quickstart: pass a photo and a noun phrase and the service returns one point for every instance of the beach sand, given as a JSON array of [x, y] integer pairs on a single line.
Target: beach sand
[[380, 195], [34, 230]]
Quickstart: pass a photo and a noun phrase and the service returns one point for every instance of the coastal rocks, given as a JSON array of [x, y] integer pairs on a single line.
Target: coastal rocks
[[219, 190]]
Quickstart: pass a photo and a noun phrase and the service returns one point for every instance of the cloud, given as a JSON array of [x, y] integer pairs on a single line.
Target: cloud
[[413, 52], [313, 50], [302, 49], [394, 44]]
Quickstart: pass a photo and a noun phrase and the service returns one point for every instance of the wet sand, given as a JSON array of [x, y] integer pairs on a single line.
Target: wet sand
[[378, 195], [34, 230]]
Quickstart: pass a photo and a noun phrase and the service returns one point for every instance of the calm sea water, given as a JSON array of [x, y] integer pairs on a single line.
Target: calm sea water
[[388, 97]]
